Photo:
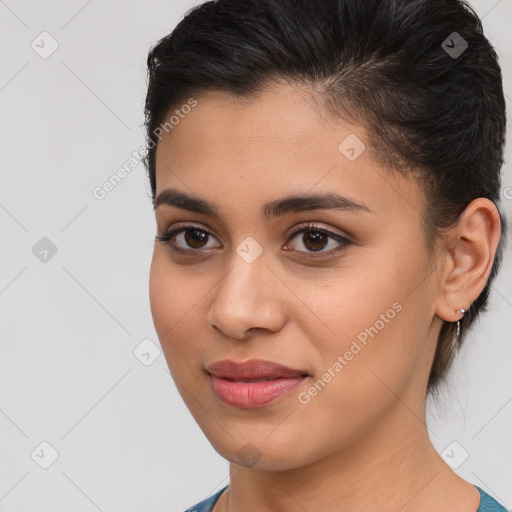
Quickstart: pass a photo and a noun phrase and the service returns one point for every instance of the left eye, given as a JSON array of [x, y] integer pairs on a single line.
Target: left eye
[[316, 239]]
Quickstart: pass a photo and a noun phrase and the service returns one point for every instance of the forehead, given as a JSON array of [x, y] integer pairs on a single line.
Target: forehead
[[276, 143], [282, 115]]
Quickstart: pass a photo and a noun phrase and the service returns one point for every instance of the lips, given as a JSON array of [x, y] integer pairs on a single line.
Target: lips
[[252, 370], [253, 383]]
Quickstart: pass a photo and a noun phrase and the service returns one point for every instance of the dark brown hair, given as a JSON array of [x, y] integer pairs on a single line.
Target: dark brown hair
[[386, 64]]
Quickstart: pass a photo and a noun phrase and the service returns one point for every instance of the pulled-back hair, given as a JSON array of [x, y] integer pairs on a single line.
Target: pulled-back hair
[[384, 64]]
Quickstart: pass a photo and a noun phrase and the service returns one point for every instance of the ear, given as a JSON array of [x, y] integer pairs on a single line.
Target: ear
[[470, 248]]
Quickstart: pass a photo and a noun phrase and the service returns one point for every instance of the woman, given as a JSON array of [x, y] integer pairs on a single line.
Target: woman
[[325, 176]]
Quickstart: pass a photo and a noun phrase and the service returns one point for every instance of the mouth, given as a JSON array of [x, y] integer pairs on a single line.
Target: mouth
[[254, 380], [252, 370], [253, 383]]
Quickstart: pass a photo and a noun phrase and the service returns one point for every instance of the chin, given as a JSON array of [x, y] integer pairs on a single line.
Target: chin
[[260, 452]]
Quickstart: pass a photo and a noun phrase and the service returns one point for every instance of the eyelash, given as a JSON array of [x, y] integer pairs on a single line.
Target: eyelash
[[168, 236]]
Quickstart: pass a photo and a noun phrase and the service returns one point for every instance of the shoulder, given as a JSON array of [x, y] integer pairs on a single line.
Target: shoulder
[[488, 503], [207, 504]]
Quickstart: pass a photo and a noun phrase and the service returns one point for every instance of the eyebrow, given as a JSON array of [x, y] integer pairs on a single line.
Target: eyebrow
[[280, 207]]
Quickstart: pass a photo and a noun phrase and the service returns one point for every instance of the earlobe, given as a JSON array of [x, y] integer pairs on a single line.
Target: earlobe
[[471, 246]]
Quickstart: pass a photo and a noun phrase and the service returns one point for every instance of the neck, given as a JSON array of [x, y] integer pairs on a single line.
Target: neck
[[393, 467]]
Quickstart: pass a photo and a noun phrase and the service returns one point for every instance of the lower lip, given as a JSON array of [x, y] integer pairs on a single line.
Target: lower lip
[[248, 395]]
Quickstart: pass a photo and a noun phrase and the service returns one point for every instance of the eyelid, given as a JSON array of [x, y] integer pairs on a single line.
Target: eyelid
[[188, 225], [343, 242], [293, 232], [342, 239], [315, 226], [177, 229]]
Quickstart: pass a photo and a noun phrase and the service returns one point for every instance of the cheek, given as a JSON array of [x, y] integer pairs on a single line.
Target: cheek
[[353, 299], [173, 304], [160, 294], [357, 371], [372, 337]]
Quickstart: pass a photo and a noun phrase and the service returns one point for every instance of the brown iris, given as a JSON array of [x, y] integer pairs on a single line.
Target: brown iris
[[194, 240], [317, 240]]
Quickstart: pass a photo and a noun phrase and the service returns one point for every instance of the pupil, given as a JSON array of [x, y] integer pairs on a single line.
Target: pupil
[[199, 236], [318, 240]]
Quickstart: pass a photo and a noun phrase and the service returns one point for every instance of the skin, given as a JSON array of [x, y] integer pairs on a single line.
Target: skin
[[362, 442]]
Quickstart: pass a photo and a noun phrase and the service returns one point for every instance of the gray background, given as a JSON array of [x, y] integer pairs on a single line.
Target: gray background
[[68, 373]]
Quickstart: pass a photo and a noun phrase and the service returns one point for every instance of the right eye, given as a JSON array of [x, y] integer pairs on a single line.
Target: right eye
[[185, 238]]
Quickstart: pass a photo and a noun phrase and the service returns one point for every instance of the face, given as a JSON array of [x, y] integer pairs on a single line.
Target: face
[[346, 301]]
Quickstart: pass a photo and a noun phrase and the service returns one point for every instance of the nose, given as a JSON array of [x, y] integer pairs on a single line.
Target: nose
[[247, 297]]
